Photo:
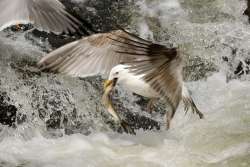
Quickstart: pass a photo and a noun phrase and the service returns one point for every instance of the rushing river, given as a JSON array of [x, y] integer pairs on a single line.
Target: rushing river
[[222, 139]]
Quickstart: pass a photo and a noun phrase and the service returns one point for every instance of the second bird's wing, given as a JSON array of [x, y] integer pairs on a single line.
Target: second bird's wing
[[45, 15]]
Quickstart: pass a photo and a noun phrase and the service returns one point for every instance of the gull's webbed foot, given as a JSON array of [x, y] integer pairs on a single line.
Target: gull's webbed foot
[[201, 115], [126, 127], [197, 111], [189, 103]]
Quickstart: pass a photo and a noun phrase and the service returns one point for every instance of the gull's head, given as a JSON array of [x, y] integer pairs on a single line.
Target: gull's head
[[116, 75]]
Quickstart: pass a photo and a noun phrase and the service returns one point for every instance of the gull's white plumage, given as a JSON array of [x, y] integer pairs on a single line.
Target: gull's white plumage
[[132, 82], [46, 15], [135, 83]]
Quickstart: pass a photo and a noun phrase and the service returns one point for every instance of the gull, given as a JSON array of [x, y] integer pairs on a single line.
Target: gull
[[140, 66], [45, 15]]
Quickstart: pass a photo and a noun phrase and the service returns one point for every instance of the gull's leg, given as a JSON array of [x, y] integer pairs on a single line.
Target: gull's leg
[[169, 117], [150, 104], [197, 111]]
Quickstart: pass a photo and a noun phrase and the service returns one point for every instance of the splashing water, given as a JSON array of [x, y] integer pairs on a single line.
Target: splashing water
[[222, 139]]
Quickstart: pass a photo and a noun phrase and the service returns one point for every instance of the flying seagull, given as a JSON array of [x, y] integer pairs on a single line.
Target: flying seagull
[[45, 15], [145, 68]]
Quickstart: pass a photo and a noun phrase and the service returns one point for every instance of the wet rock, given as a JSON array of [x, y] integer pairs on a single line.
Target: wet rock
[[103, 15], [247, 11], [238, 63], [243, 68], [7, 110]]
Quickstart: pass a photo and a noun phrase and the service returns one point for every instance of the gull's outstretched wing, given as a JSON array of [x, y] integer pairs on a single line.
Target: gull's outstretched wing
[[46, 15], [91, 55]]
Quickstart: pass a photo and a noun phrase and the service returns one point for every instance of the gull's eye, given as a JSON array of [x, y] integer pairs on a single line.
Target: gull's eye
[[116, 73]]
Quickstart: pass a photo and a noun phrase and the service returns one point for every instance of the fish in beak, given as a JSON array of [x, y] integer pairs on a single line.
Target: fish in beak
[[109, 84], [108, 87]]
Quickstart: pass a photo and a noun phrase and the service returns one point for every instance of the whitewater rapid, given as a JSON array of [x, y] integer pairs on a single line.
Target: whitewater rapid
[[221, 139]]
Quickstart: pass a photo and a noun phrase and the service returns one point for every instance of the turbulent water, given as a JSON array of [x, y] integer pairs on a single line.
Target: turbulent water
[[222, 139]]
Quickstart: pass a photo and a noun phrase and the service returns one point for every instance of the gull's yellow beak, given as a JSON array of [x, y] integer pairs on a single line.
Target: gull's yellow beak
[[107, 84]]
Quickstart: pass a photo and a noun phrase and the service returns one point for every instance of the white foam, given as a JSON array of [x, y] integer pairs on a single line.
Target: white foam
[[219, 138]]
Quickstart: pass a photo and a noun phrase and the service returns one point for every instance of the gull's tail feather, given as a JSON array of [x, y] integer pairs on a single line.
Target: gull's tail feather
[[189, 103]]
